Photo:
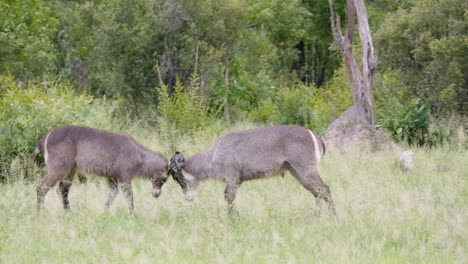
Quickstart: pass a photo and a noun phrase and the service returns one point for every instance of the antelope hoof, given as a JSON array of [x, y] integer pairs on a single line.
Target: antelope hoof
[[233, 212]]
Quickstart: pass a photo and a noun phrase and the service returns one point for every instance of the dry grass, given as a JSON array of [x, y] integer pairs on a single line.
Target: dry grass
[[384, 216]]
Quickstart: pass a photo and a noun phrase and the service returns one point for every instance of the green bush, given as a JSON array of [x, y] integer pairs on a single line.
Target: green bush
[[409, 119], [448, 131], [331, 100], [295, 106], [266, 112], [408, 123], [309, 106], [184, 112], [26, 114], [286, 106], [245, 91], [414, 124]]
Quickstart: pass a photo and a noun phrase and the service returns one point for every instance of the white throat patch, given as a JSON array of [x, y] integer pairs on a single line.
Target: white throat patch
[[316, 146], [187, 176]]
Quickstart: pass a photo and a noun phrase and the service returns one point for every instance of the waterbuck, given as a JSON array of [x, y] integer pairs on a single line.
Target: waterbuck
[[69, 149], [259, 153]]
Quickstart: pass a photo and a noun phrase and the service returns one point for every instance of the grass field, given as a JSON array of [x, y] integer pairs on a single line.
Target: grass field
[[384, 216]]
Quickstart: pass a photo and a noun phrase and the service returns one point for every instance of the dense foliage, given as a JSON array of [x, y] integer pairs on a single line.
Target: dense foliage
[[28, 30], [112, 47], [28, 114], [184, 64], [423, 53]]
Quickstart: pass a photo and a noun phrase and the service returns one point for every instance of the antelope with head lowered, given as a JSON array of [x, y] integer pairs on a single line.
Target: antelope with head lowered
[[240, 156], [117, 156]]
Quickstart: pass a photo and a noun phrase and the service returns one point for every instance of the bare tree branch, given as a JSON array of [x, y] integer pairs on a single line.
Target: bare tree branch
[[336, 27], [351, 22], [361, 83]]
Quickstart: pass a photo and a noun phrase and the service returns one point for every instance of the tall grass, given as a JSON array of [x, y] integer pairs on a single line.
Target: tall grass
[[384, 216]]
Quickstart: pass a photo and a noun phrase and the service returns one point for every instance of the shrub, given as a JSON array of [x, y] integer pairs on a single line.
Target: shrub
[[408, 123], [245, 90], [26, 114], [414, 124], [295, 105], [331, 100], [309, 106], [409, 119], [448, 131], [184, 112], [266, 112], [286, 106]]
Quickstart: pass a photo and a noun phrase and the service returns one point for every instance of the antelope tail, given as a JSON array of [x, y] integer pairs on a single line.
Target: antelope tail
[[323, 146], [37, 149]]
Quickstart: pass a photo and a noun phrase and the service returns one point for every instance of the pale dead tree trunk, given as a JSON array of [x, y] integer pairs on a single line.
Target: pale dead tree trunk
[[361, 83], [226, 90], [340, 132]]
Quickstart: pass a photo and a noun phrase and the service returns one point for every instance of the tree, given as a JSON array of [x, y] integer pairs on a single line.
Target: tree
[[319, 61], [222, 25], [27, 31], [234, 25], [424, 54], [339, 132], [361, 83]]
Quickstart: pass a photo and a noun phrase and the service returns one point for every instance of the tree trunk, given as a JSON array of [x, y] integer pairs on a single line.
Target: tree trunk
[[226, 90], [77, 67], [340, 132], [361, 84]]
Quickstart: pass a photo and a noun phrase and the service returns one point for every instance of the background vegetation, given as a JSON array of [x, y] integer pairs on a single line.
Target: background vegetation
[[279, 52]]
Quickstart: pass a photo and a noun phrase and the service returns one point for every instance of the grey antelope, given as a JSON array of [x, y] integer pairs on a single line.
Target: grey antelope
[[117, 156], [259, 153]]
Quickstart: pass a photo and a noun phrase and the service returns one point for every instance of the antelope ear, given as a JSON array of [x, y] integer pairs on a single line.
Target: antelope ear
[[177, 161]]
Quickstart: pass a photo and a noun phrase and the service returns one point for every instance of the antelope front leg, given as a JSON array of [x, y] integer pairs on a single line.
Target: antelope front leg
[[230, 195], [127, 190]]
